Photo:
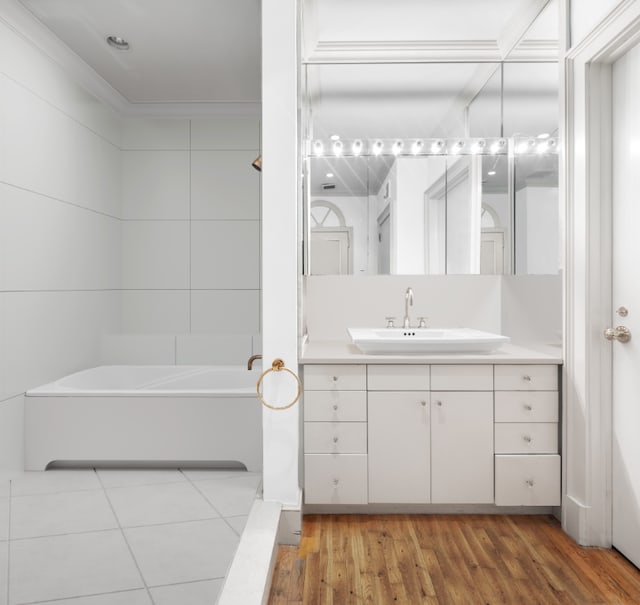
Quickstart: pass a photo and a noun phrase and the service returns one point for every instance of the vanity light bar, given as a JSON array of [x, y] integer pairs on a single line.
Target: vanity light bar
[[429, 147]]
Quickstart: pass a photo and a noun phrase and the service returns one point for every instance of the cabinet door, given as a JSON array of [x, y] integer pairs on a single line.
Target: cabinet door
[[399, 464], [461, 447]]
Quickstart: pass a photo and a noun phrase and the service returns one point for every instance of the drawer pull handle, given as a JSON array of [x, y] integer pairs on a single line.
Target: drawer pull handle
[[529, 483], [439, 404], [528, 407], [335, 440], [527, 438], [527, 378], [334, 378], [423, 403], [335, 406], [335, 483]]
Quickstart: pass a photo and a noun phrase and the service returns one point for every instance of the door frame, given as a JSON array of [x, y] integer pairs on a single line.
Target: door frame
[[587, 445]]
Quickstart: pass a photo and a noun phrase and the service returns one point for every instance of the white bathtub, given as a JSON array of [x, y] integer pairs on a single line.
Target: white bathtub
[[177, 415]]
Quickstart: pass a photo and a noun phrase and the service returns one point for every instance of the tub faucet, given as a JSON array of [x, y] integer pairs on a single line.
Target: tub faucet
[[408, 300], [251, 360]]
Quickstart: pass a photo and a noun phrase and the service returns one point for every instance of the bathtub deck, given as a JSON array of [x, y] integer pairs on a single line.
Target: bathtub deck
[[135, 536]]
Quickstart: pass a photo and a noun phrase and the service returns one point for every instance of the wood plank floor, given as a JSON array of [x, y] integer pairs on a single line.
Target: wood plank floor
[[447, 560]]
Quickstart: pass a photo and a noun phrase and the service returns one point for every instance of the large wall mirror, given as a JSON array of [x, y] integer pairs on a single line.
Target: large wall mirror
[[431, 168]]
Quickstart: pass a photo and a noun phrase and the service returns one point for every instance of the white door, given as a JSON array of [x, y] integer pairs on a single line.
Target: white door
[[492, 252], [330, 252], [626, 293]]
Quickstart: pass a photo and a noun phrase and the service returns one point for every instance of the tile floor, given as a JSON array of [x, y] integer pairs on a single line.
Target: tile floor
[[121, 536]]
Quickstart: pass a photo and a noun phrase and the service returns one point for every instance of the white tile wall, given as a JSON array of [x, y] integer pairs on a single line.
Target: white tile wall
[[154, 133], [225, 254], [212, 349], [155, 311], [155, 184], [52, 245], [12, 434], [155, 254], [138, 349], [225, 133], [225, 311], [224, 185]]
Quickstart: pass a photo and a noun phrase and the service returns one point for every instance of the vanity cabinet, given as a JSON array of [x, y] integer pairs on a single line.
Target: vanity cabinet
[[335, 434], [527, 462], [440, 434]]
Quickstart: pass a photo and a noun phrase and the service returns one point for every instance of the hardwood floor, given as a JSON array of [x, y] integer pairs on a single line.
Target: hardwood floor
[[447, 560]]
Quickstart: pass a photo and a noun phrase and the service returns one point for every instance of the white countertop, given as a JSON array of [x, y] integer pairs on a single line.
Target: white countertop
[[326, 351]]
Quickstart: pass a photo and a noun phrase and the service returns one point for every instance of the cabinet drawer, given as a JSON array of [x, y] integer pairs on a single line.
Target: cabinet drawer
[[526, 377], [398, 377], [462, 378], [526, 406], [344, 377], [332, 406], [526, 438], [335, 478], [335, 437], [528, 480]]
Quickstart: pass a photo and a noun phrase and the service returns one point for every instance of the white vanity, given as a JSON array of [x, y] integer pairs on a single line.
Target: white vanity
[[431, 430]]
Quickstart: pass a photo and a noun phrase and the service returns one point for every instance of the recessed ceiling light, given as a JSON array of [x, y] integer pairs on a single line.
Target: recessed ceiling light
[[329, 175], [491, 172], [335, 137], [117, 42], [544, 135]]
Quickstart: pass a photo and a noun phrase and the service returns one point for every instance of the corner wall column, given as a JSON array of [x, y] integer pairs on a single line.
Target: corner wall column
[[279, 247]]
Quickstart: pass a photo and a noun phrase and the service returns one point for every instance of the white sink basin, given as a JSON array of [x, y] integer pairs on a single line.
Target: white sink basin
[[402, 341]]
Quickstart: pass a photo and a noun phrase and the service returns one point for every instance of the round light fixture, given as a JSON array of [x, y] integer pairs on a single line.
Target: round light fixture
[[117, 42]]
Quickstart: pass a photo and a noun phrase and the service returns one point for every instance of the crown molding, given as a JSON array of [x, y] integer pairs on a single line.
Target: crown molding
[[398, 51], [249, 109]]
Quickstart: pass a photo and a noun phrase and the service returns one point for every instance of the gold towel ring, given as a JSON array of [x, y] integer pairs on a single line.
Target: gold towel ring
[[278, 366]]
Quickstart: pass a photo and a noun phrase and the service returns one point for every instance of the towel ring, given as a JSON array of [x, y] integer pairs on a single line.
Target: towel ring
[[278, 366]]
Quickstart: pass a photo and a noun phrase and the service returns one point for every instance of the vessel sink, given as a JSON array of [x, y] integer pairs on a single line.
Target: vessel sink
[[384, 341]]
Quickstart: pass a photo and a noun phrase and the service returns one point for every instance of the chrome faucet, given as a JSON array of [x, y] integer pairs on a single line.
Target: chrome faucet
[[408, 300]]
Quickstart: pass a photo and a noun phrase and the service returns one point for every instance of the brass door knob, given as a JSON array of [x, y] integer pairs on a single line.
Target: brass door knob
[[619, 333]]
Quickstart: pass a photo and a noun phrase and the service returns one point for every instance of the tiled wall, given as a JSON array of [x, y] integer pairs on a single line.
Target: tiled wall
[[191, 226], [60, 232]]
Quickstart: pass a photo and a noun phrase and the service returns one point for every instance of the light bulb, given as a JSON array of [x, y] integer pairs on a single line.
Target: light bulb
[[396, 148], [337, 148], [437, 146], [377, 147], [356, 147], [318, 148], [417, 146], [457, 147], [478, 146], [498, 145]]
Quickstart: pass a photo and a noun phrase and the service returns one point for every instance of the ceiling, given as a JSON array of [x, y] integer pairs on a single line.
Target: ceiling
[[181, 51], [208, 51]]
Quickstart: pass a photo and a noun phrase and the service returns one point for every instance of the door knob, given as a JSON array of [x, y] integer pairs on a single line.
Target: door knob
[[619, 333]]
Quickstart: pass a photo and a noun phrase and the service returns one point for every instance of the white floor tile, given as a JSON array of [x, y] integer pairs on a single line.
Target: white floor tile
[[4, 566], [211, 473], [130, 597], [231, 497], [55, 481], [129, 477], [74, 565], [65, 513], [162, 503], [4, 521], [237, 523], [183, 552], [192, 593]]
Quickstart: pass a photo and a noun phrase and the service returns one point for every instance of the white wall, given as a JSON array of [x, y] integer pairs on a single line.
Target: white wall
[[191, 232], [586, 14], [59, 229]]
